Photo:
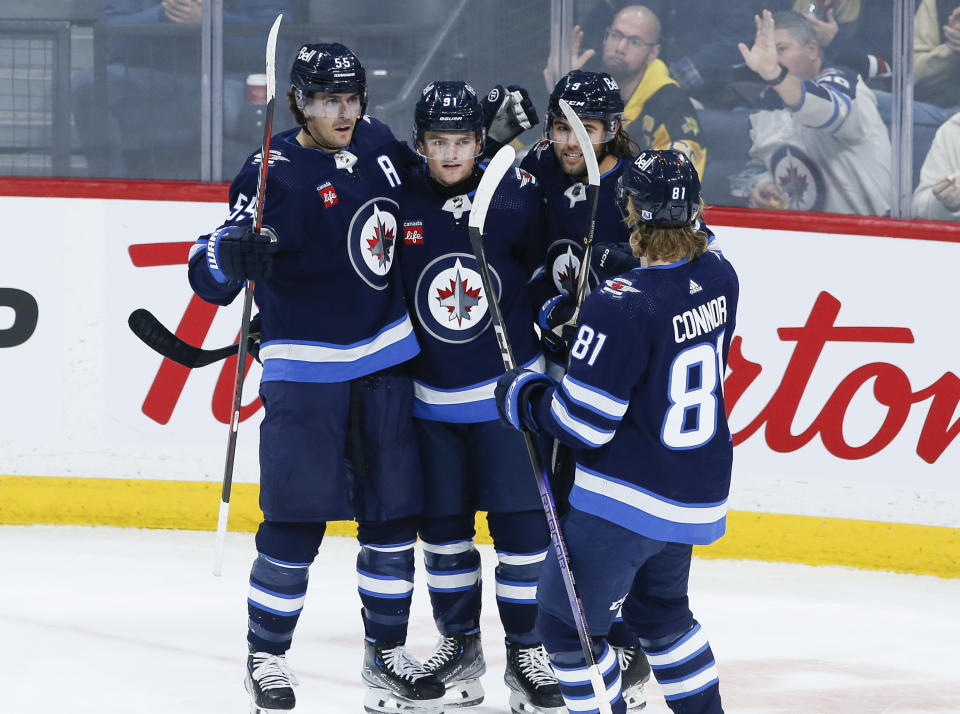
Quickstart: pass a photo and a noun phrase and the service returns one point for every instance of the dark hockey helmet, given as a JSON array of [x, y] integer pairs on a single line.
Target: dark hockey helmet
[[665, 189], [327, 67], [447, 106], [591, 95]]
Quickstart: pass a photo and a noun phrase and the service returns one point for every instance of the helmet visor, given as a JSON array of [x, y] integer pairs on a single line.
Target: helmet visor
[[449, 146], [559, 131], [334, 106]]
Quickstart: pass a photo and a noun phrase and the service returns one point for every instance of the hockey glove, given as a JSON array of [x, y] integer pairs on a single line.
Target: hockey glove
[[612, 259], [556, 312], [237, 253], [253, 337], [514, 393], [507, 113]]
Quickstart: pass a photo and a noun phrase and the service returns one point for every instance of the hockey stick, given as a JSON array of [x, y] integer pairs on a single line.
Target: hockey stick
[[583, 279], [158, 338], [224, 513], [498, 166], [593, 195]]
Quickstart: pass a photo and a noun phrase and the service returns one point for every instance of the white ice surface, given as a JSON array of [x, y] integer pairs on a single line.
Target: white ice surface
[[107, 620]]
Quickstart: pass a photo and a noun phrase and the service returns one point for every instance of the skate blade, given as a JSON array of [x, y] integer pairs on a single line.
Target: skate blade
[[463, 693], [519, 704], [383, 701], [635, 698]]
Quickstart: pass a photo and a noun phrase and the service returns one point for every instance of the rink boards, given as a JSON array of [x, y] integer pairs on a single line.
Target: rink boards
[[842, 382]]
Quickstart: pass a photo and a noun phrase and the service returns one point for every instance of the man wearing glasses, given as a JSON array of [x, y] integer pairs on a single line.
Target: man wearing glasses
[[659, 113]]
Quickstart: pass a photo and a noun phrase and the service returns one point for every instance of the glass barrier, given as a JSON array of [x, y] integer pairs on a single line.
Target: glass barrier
[[114, 88]]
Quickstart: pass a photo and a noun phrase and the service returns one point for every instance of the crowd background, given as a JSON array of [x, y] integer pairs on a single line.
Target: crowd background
[[141, 89]]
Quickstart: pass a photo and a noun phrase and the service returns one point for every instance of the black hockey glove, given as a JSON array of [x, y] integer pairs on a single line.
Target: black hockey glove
[[514, 393], [237, 253], [612, 259], [253, 337], [556, 312], [507, 113]]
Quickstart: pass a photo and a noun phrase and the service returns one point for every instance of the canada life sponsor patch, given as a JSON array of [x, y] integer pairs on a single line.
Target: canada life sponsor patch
[[413, 232], [328, 193]]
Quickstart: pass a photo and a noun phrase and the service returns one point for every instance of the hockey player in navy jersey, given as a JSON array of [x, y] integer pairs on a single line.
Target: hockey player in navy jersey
[[471, 461], [642, 407], [557, 162], [337, 437]]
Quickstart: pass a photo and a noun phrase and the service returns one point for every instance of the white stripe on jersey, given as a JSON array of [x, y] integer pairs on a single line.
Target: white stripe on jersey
[[586, 433], [468, 395], [600, 401], [647, 502], [332, 353]]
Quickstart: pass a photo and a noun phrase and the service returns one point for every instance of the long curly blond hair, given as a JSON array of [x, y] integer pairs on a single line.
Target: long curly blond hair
[[666, 244]]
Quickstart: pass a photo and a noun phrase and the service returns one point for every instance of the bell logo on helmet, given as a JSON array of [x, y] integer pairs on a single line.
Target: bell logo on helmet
[[644, 161], [305, 55]]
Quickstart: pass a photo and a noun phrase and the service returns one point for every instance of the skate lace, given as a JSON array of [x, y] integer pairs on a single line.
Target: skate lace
[[271, 671], [402, 664], [446, 648], [625, 655], [535, 666]]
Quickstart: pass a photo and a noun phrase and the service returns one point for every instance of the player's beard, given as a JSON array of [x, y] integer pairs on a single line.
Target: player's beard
[[602, 153]]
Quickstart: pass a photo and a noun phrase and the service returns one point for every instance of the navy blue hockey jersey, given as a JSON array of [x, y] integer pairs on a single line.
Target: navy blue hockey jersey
[[333, 309], [642, 402], [457, 369], [567, 214]]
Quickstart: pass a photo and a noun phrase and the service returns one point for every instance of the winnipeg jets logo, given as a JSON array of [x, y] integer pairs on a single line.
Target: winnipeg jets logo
[[575, 194], [617, 604], [459, 298], [566, 272], [380, 244], [449, 298], [563, 265], [457, 205], [798, 179], [371, 241], [275, 156]]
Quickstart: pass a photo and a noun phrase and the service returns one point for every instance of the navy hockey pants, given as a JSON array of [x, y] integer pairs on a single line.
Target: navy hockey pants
[[339, 451]]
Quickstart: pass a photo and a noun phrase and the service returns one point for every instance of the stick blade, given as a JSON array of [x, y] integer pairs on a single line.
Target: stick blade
[[586, 146], [271, 58], [498, 166]]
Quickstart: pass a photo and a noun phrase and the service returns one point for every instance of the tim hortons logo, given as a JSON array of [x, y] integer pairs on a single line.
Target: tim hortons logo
[[891, 386]]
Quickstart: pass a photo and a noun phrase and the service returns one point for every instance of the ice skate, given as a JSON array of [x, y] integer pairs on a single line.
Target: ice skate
[[533, 686], [634, 672], [397, 682], [457, 661], [270, 683]]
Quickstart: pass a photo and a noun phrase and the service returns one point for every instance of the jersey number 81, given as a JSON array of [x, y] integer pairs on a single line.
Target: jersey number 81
[[691, 419]]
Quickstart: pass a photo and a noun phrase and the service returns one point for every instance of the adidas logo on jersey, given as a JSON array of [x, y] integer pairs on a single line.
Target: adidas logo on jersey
[[694, 288]]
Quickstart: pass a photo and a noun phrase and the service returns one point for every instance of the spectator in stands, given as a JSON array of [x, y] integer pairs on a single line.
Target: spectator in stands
[[821, 142], [698, 43], [851, 37], [150, 126], [938, 194], [936, 52], [658, 111]]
